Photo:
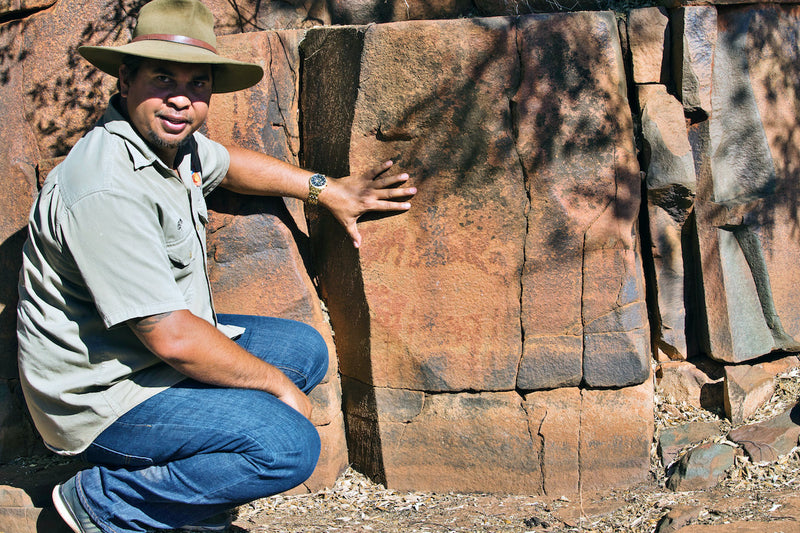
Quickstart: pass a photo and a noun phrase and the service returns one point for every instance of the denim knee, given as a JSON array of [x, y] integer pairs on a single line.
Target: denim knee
[[296, 462]]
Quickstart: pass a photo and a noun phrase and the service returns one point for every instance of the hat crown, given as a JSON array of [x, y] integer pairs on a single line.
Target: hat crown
[[189, 18]]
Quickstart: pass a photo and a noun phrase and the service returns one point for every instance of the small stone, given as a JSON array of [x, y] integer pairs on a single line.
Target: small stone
[[678, 517], [747, 387], [702, 467]]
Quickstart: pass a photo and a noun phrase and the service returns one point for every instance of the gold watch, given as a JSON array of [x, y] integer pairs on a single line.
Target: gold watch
[[316, 184]]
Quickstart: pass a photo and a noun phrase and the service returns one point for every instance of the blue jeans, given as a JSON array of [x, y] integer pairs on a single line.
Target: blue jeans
[[195, 450]]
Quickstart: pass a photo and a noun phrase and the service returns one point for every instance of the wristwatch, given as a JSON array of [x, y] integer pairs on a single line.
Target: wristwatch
[[316, 184]]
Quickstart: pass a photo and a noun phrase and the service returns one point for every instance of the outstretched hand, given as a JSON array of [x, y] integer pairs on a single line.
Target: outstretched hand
[[350, 197]]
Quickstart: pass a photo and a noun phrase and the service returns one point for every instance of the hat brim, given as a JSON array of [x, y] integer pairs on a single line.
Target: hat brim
[[228, 74]]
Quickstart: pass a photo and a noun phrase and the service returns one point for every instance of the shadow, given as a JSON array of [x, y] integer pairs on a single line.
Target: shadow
[[10, 264], [62, 107]]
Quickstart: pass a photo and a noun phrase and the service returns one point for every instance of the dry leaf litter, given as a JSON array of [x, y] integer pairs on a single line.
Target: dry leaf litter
[[750, 492]]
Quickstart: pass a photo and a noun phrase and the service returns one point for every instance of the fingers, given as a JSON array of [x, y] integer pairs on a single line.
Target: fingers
[[377, 170]]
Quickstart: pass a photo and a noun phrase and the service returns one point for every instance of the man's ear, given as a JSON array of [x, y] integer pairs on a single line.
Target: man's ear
[[123, 81]]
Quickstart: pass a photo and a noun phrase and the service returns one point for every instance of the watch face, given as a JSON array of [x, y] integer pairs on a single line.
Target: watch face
[[318, 180]]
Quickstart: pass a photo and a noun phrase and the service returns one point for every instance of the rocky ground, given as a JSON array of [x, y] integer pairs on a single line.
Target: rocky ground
[[752, 497]]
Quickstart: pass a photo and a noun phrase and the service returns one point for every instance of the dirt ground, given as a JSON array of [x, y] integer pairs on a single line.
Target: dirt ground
[[751, 497], [357, 505]]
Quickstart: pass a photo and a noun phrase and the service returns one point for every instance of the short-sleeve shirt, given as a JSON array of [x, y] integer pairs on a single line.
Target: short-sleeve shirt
[[114, 235]]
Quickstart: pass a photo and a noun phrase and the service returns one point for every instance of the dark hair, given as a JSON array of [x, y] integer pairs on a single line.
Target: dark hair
[[132, 65]]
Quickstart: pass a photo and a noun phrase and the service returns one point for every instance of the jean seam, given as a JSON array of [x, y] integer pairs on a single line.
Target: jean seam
[[99, 522]]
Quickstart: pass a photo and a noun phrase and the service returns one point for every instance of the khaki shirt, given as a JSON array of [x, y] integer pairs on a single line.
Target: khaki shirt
[[114, 235]]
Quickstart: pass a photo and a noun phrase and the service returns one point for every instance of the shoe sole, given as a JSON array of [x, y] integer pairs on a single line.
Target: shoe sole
[[64, 511]]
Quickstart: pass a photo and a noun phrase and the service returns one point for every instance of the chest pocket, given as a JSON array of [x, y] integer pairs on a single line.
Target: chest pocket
[[184, 250]]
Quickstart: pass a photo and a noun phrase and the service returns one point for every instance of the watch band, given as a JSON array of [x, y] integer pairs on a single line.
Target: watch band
[[316, 184]]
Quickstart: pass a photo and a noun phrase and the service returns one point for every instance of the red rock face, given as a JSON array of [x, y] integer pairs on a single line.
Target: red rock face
[[516, 267]]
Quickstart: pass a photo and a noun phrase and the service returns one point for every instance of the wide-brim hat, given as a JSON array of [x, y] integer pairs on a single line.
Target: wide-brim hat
[[181, 31]]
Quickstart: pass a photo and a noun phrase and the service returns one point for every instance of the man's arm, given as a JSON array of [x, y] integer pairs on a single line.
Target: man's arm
[[197, 349], [346, 198]]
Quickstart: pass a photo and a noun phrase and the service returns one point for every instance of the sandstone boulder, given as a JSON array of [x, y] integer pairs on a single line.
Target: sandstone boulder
[[702, 467], [767, 441]]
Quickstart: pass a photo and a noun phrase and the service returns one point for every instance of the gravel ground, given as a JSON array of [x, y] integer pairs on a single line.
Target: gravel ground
[[749, 493]]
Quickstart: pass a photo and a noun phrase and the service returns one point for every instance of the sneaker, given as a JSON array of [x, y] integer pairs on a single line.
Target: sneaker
[[68, 505], [218, 522]]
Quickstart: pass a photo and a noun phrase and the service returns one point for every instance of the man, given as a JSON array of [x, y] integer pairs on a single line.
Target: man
[[122, 358]]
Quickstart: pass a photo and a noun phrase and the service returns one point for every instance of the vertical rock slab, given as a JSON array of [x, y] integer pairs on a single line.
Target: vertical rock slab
[[583, 304], [747, 208], [694, 36], [258, 249], [649, 38], [671, 183], [438, 286]]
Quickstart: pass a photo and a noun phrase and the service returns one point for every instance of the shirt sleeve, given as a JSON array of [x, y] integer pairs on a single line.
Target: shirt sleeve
[[215, 161], [118, 246]]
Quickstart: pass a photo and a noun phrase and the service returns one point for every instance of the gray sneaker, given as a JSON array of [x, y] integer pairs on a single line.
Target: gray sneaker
[[68, 505]]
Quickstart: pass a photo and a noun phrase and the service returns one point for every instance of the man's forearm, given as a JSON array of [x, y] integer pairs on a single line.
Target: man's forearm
[[200, 351], [260, 174]]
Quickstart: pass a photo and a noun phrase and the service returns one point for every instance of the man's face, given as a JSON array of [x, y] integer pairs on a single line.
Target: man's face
[[166, 102]]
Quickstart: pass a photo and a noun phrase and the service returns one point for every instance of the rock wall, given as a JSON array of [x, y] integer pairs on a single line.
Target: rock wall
[[595, 192]]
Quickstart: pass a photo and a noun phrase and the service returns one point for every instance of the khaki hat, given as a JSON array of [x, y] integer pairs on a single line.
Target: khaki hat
[[180, 31]]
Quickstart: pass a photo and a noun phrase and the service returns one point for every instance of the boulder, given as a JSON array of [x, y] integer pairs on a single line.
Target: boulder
[[747, 387], [767, 441], [746, 203], [674, 439], [683, 381], [702, 467]]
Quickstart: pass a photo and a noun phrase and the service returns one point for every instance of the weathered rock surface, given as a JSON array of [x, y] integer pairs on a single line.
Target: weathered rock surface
[[747, 387], [649, 40], [702, 467], [473, 441], [431, 301], [672, 440], [684, 382], [678, 517], [747, 195], [694, 32], [769, 440], [671, 182]]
